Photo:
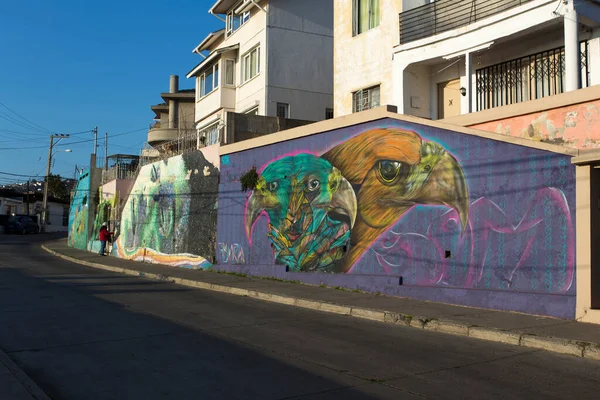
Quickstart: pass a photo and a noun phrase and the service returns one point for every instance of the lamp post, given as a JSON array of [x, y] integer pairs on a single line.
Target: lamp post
[[50, 155]]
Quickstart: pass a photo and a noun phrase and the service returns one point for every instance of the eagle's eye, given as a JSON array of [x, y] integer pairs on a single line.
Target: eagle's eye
[[272, 186], [313, 185], [389, 170]]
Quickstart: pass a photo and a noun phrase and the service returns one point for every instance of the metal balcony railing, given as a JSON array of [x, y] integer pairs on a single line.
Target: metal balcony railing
[[445, 15], [527, 78]]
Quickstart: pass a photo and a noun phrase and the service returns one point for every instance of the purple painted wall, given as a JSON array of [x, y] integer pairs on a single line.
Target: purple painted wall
[[508, 243]]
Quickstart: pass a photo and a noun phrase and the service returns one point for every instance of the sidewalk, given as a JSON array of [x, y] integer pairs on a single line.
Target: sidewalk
[[562, 336]]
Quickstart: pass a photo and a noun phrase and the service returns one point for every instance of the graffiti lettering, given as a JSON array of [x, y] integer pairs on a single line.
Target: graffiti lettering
[[231, 254]]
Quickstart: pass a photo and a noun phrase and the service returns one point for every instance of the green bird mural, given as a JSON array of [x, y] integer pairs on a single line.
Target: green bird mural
[[311, 209]]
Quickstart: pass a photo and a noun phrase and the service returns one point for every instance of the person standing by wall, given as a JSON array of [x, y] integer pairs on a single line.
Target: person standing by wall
[[104, 236]]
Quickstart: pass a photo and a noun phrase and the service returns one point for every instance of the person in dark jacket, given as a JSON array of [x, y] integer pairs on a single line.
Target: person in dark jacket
[[104, 236]]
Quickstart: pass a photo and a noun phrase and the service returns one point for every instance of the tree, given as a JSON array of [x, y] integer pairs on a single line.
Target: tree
[[57, 187]]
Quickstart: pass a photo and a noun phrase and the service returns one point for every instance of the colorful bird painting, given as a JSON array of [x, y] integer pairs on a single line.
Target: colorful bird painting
[[393, 170], [325, 212], [311, 209]]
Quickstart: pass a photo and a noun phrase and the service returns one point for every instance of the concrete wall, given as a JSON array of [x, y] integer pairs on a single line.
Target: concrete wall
[[242, 127], [364, 60], [407, 208], [79, 212], [170, 215], [300, 57], [569, 119]]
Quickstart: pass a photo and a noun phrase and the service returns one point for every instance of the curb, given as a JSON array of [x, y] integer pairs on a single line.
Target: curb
[[516, 338], [23, 378]]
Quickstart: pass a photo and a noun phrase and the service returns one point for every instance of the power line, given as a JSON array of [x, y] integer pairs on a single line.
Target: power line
[[19, 175], [22, 117]]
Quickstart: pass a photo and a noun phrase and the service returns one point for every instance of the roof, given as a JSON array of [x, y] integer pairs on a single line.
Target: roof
[[210, 58], [209, 40], [222, 6]]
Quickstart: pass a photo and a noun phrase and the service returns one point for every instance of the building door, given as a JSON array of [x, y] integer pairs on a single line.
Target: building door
[[595, 235], [449, 99]]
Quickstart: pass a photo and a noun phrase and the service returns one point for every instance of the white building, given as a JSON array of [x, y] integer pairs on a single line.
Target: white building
[[442, 58], [457, 57], [272, 58]]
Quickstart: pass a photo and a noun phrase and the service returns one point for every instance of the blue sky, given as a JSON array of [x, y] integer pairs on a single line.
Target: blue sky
[[70, 65]]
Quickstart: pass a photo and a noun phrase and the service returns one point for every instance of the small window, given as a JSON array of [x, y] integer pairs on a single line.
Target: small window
[[235, 21], [209, 80], [253, 111], [365, 99], [366, 15], [283, 110], [210, 134], [65, 219], [230, 72], [329, 113], [251, 62]]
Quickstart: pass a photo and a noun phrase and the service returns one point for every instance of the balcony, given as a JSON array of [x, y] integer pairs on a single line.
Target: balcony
[[445, 15], [159, 134]]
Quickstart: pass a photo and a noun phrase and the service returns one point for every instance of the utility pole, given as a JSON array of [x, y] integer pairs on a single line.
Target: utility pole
[[27, 197], [106, 151], [45, 201], [95, 142]]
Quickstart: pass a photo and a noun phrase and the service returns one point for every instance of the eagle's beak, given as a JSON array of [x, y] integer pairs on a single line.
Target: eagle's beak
[[343, 203], [254, 208], [447, 185]]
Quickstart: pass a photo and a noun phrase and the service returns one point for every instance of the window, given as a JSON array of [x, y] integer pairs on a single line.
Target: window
[[230, 72], [366, 15], [235, 21], [251, 62], [329, 113], [253, 111], [65, 219], [365, 99], [210, 134], [209, 81], [283, 110]]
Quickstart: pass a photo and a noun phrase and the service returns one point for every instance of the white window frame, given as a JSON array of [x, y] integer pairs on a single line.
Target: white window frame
[[287, 110], [244, 18], [202, 133], [355, 17], [365, 92], [202, 79], [248, 55], [232, 61]]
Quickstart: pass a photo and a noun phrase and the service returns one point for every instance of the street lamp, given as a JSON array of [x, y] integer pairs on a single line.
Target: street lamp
[[50, 155]]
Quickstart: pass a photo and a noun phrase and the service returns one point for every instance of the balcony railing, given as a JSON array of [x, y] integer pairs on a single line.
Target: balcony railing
[[445, 15], [526, 78]]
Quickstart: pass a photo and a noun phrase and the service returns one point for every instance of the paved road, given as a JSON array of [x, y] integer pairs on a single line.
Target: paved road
[[86, 334]]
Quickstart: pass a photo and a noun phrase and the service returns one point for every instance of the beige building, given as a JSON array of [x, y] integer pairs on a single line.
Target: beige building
[[272, 58], [174, 118], [365, 33]]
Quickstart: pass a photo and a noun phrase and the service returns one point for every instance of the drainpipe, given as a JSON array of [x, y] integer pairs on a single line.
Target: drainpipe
[[572, 67], [173, 88], [266, 67]]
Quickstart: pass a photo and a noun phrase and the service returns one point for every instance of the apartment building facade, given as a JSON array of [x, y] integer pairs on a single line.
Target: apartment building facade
[[443, 58], [272, 58]]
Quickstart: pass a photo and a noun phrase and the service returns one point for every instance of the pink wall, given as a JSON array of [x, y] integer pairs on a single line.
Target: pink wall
[[576, 126]]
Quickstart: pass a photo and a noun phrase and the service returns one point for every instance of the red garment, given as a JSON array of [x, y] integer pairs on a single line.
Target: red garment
[[104, 234]]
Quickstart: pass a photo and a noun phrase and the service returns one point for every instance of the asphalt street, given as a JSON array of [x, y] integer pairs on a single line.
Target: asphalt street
[[86, 334]]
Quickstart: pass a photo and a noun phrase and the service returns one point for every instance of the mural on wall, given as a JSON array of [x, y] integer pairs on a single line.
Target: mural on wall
[[170, 214], [315, 206], [397, 199], [78, 213], [576, 126], [103, 211]]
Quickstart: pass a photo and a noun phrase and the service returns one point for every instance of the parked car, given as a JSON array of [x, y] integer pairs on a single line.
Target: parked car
[[21, 225]]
